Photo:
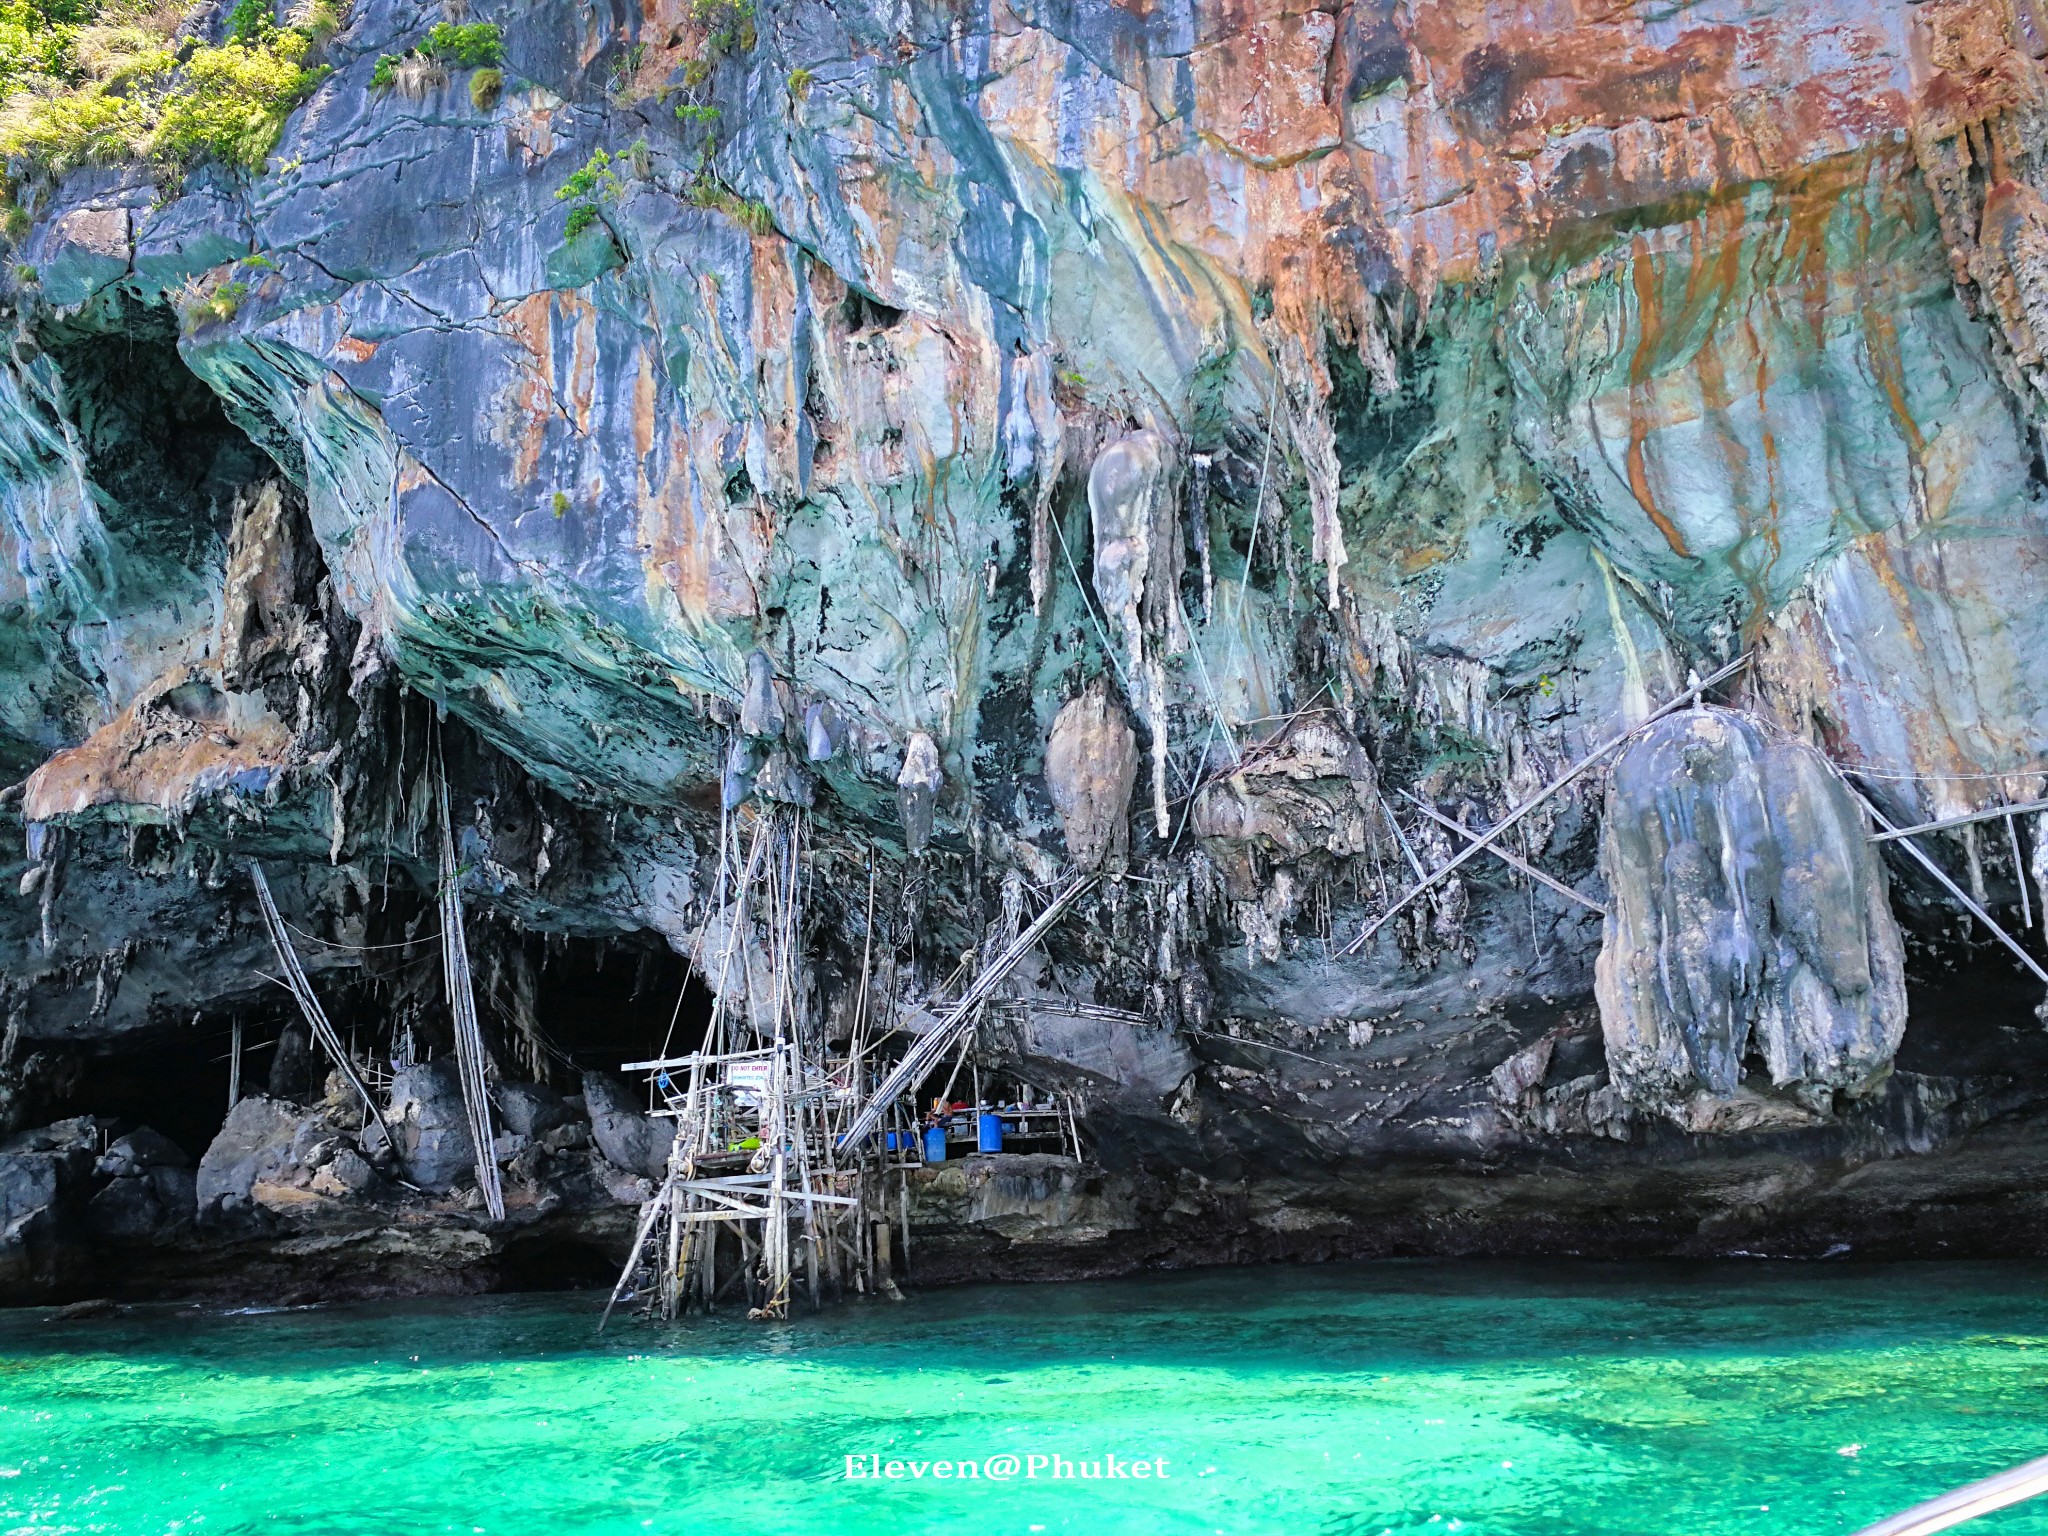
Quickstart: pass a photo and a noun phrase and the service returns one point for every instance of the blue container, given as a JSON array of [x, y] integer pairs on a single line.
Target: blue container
[[889, 1140], [935, 1144], [989, 1133]]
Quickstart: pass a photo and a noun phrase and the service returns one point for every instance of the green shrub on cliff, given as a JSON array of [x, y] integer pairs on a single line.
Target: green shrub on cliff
[[123, 94], [230, 103], [479, 46], [472, 47], [592, 183], [35, 42]]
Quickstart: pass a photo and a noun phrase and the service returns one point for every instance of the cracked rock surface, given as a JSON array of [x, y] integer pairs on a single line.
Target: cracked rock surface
[[1245, 455]]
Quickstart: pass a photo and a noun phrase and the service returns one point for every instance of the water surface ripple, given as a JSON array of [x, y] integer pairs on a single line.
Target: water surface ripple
[[1406, 1398]]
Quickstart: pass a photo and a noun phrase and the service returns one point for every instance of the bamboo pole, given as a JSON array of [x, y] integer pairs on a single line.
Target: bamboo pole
[[647, 1220], [309, 1006], [926, 1051], [1905, 839], [469, 1039], [2027, 1481], [1891, 833], [1485, 841], [2019, 874], [1513, 861]]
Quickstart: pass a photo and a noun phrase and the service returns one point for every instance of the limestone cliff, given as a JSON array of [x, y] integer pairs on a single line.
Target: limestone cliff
[[1244, 451]]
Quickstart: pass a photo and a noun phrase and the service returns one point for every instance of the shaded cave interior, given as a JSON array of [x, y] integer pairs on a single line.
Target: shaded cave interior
[[598, 1002]]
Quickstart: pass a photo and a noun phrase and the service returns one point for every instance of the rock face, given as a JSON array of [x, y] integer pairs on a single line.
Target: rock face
[[1335, 421], [431, 1125], [1091, 765], [1749, 916], [627, 1137]]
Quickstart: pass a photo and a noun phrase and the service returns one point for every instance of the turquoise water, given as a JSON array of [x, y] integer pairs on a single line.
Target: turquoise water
[[1404, 1398]]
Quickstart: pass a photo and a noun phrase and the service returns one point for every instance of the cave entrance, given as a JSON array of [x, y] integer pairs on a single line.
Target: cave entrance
[[157, 440], [599, 1002], [1969, 1012], [175, 1081]]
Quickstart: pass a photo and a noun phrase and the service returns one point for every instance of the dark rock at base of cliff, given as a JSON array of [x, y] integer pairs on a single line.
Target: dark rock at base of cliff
[[138, 1207], [427, 1116], [629, 1139], [531, 1109], [43, 1178]]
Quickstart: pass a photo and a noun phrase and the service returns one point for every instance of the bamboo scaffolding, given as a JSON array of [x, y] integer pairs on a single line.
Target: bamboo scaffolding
[[1484, 842], [799, 1218], [930, 1047], [1513, 861], [469, 1039], [309, 1006], [1904, 837]]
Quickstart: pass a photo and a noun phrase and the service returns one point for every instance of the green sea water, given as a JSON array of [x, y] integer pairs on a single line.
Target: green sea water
[[1406, 1398]]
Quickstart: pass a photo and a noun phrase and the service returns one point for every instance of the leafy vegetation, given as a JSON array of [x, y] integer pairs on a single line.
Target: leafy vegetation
[[216, 305], [479, 46], [476, 46], [727, 28], [751, 214], [592, 183], [98, 81]]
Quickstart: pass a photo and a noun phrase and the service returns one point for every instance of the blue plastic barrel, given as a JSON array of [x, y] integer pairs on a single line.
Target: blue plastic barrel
[[889, 1141], [989, 1133], [935, 1144]]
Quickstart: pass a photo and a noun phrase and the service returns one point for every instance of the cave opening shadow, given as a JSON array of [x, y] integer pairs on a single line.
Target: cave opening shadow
[[603, 1002]]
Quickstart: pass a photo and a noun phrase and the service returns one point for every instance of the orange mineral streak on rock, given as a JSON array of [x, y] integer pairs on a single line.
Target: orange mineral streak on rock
[[1644, 274], [775, 380], [582, 382], [177, 743], [645, 397], [2013, 239], [1260, 93], [519, 414], [678, 561], [1494, 128]]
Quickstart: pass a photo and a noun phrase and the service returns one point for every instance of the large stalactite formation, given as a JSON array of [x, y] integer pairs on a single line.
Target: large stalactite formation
[[1239, 453]]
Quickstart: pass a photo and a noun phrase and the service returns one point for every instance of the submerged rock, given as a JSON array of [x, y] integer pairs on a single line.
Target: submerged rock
[[1750, 915]]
